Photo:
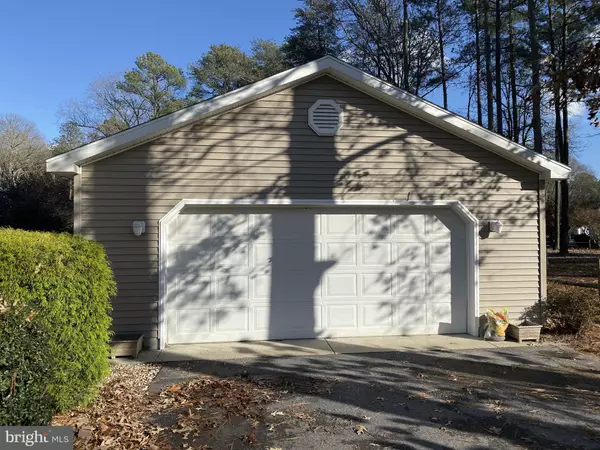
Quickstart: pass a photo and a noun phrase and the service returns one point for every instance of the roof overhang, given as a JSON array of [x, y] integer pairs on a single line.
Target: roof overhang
[[70, 163]]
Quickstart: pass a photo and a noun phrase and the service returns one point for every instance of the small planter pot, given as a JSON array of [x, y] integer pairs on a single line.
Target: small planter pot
[[126, 345], [527, 331]]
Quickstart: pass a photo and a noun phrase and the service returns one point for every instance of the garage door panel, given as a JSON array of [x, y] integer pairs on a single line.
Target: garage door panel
[[439, 313], [435, 226], [192, 289], [262, 286], [288, 322], [342, 316], [292, 256], [341, 285], [343, 253], [379, 284], [294, 289], [232, 319], [233, 256], [440, 286], [411, 254], [230, 225], [410, 283], [440, 254], [408, 225], [375, 253], [409, 313], [192, 256], [193, 320], [378, 315], [190, 226], [305, 272], [339, 224], [376, 226], [232, 287]]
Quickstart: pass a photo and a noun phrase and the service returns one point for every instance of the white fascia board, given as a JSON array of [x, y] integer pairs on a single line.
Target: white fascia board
[[69, 163], [448, 121]]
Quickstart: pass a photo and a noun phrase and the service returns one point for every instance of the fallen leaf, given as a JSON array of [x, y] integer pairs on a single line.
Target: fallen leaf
[[366, 418], [361, 429], [174, 388], [495, 430], [277, 413], [421, 395]]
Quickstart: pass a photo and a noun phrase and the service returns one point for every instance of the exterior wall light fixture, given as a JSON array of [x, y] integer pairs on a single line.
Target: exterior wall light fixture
[[139, 227]]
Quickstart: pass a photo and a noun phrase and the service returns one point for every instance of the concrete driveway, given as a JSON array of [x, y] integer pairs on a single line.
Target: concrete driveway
[[521, 397], [222, 351]]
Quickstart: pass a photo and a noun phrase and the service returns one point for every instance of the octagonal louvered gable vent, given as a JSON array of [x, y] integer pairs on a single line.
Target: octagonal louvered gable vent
[[325, 117]]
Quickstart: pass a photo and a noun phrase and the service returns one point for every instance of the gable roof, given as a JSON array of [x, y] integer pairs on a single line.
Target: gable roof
[[70, 163]]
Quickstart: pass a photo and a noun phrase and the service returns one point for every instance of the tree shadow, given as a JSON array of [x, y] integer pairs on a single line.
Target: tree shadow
[[461, 397], [266, 150]]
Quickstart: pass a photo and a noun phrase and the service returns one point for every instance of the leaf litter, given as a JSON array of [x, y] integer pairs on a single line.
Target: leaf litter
[[124, 414]]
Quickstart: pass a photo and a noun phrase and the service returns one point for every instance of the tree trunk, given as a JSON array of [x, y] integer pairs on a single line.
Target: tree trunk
[[564, 185], [558, 132], [478, 64], [498, 69], [442, 55], [470, 97], [489, 85], [535, 77], [513, 73], [405, 44]]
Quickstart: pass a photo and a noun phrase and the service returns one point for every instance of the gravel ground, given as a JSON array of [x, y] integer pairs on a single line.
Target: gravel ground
[[534, 397]]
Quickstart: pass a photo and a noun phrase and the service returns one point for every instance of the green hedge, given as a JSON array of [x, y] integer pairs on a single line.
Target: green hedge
[[25, 362], [56, 289]]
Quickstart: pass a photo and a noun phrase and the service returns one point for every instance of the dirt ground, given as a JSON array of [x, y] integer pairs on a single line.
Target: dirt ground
[[580, 267], [528, 397]]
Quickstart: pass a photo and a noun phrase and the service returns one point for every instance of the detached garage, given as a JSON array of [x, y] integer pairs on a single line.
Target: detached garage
[[320, 202]]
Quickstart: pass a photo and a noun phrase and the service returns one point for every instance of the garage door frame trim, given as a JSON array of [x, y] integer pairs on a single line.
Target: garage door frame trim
[[472, 243]]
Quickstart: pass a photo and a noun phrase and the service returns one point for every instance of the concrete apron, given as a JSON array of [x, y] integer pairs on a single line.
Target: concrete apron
[[223, 351]]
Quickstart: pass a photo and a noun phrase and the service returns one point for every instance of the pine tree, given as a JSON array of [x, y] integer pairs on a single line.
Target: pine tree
[[315, 34]]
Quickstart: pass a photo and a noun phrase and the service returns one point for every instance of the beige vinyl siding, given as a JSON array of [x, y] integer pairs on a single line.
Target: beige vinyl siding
[[267, 150]]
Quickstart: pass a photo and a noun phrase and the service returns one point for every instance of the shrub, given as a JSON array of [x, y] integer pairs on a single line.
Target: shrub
[[67, 282], [571, 308], [25, 362]]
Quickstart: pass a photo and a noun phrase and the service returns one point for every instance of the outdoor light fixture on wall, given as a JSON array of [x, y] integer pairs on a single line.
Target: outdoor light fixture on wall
[[139, 227], [495, 226]]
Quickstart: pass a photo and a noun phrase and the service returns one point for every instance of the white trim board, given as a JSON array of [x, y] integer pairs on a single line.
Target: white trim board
[[472, 243], [70, 163]]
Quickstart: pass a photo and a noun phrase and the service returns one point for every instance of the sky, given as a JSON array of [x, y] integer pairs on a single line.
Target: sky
[[50, 51]]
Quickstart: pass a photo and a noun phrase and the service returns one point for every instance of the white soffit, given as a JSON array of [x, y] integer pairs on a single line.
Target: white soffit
[[70, 163]]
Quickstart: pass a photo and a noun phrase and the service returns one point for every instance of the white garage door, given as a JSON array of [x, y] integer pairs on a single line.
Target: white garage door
[[284, 273]]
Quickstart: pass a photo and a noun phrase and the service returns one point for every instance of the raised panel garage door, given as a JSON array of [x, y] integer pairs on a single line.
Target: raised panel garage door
[[250, 273]]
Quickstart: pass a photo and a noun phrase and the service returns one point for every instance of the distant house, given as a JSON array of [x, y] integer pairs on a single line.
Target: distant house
[[318, 202]]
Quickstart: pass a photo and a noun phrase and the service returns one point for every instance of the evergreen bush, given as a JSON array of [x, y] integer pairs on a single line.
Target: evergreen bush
[[56, 290]]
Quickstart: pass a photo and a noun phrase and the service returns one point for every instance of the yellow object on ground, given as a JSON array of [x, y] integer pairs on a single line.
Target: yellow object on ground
[[498, 321]]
